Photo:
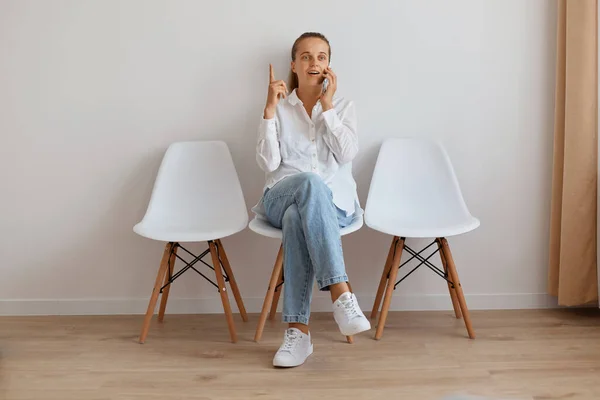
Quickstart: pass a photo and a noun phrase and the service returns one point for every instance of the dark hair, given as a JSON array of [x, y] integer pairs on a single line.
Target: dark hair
[[293, 79]]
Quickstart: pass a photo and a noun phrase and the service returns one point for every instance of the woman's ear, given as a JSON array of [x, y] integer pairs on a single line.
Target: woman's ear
[[293, 66]]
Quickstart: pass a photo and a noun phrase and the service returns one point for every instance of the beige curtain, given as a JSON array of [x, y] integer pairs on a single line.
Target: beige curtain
[[572, 276]]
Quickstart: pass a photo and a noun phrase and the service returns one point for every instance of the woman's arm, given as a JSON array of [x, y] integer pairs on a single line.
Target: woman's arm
[[341, 136], [268, 155]]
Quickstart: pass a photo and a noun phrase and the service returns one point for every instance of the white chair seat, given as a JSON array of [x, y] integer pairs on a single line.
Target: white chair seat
[[414, 192], [197, 196], [264, 228], [158, 230], [432, 228]]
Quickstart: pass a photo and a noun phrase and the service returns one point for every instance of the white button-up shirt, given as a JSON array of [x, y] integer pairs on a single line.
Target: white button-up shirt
[[292, 142]]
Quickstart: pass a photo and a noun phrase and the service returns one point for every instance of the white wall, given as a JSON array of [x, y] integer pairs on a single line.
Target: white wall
[[92, 93]]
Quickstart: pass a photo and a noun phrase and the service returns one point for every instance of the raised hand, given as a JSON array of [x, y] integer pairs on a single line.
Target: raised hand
[[277, 90]]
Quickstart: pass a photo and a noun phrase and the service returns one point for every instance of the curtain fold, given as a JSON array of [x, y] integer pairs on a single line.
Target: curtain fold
[[572, 271]]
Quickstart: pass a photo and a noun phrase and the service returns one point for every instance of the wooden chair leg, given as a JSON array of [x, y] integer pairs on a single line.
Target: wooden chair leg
[[165, 295], [232, 282], [399, 246], [458, 288], [269, 296], [276, 295], [383, 280], [222, 290], [162, 269], [451, 290]]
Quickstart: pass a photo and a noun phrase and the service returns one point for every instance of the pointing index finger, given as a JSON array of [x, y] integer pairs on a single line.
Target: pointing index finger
[[271, 73]]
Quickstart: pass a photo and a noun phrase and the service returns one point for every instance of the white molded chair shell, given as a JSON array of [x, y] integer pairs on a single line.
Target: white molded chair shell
[[414, 192], [196, 197], [264, 228]]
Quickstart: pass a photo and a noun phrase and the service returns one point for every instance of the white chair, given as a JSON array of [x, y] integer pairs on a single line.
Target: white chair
[[414, 193], [263, 228], [196, 197]]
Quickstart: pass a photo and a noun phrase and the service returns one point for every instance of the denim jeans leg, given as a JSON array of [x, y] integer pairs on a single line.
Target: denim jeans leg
[[302, 206], [319, 217], [298, 271]]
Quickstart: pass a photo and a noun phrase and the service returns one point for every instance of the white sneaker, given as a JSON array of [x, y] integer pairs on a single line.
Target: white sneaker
[[294, 350], [349, 316]]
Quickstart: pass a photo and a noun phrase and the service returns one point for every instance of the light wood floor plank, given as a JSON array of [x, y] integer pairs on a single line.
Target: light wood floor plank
[[539, 355]]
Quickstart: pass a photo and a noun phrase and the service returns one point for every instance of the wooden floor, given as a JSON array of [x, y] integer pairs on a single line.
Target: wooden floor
[[551, 354]]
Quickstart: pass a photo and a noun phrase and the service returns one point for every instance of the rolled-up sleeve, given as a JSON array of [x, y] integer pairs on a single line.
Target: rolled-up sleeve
[[341, 136], [268, 154]]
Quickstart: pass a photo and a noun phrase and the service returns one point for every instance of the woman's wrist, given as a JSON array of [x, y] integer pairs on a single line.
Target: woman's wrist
[[268, 113], [327, 105]]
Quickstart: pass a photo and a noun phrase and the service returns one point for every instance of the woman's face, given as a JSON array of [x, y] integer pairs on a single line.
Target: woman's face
[[312, 58]]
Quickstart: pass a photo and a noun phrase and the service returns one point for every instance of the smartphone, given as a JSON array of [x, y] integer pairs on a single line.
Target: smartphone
[[326, 82]]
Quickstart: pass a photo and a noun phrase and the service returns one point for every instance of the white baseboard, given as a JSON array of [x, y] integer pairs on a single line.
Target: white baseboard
[[432, 302]]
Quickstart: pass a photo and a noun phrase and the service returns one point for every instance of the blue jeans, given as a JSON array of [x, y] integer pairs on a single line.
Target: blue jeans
[[302, 207]]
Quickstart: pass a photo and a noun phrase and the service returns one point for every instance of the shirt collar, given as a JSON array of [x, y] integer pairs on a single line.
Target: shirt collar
[[293, 98]]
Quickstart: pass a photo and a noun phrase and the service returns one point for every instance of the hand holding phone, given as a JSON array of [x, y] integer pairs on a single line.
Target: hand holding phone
[[325, 82], [329, 88]]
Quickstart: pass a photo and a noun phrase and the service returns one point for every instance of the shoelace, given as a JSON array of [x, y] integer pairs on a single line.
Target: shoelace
[[350, 308], [291, 340]]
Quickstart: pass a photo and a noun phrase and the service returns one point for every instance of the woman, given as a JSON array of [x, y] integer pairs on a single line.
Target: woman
[[307, 140]]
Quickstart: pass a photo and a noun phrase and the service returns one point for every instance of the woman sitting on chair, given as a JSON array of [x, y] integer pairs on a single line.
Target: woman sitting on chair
[[307, 140]]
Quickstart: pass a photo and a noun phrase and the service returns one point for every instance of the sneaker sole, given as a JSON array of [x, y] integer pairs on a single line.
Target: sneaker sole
[[357, 330]]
